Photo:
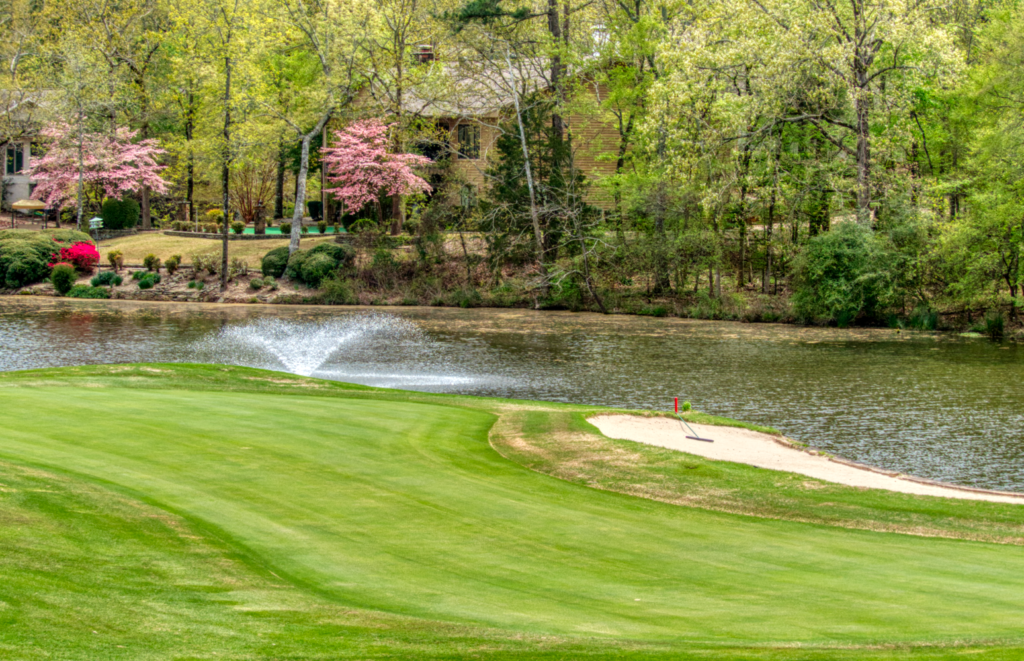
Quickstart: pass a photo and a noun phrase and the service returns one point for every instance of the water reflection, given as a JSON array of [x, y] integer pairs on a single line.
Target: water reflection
[[934, 405]]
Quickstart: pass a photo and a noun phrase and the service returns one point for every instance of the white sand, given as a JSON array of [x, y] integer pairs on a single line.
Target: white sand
[[766, 451]]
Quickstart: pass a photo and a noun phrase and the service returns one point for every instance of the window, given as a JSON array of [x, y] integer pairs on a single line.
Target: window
[[469, 141], [15, 158]]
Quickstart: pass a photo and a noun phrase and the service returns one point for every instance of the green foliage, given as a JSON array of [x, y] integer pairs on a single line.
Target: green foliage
[[148, 280], [842, 274], [215, 217], [63, 278], [238, 267], [201, 263], [120, 214], [172, 263], [151, 262], [295, 262], [317, 267], [256, 283], [995, 324], [25, 255], [316, 209], [335, 291], [343, 254], [275, 262], [196, 284], [87, 291], [286, 228], [116, 259], [321, 226], [238, 227], [106, 278]]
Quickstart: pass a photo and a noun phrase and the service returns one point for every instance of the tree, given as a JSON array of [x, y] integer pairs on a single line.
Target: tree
[[111, 164], [365, 172], [329, 34], [850, 69]]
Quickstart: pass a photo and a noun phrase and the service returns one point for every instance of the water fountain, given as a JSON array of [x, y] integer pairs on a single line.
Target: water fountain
[[347, 348]]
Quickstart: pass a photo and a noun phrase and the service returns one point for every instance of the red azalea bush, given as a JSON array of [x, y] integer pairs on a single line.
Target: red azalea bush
[[82, 255]]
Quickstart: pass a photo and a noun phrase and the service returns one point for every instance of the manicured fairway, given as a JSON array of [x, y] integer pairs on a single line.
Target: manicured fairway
[[403, 507]]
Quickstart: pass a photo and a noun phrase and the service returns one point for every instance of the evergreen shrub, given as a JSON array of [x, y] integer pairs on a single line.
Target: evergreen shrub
[[63, 277], [120, 214]]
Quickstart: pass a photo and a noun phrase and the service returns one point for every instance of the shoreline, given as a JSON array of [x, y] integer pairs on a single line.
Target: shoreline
[[778, 453]]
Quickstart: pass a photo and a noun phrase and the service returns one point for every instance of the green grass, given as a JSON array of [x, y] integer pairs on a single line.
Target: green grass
[[212, 512]]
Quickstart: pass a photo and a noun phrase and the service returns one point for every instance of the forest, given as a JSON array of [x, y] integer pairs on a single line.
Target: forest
[[835, 162]]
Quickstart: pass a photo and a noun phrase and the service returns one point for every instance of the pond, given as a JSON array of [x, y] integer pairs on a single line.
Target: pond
[[934, 405]]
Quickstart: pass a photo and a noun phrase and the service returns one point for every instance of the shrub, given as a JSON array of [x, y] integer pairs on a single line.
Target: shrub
[[116, 259], [841, 274], [151, 262], [119, 214], [343, 254], [295, 261], [321, 226], [275, 262], [238, 227], [214, 217], [995, 325], [316, 209], [196, 285], [26, 255], [238, 267], [316, 268], [304, 229], [63, 277], [202, 263], [172, 264], [654, 311], [148, 280], [286, 228], [362, 225], [335, 291], [256, 283], [137, 275], [269, 281], [686, 406], [924, 318], [86, 291], [107, 278], [82, 254]]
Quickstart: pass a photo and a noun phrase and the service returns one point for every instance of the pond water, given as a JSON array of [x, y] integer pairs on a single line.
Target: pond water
[[935, 405]]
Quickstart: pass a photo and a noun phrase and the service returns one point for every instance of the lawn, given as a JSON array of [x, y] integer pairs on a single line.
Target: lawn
[[137, 246], [212, 512]]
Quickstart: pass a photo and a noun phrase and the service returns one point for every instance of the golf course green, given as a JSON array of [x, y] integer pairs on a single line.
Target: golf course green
[[189, 511]]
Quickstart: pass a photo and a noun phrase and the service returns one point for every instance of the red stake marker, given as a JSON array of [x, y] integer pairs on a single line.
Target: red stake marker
[[677, 404]]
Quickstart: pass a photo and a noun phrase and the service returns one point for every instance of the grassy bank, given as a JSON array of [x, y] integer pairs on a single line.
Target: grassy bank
[[249, 514]]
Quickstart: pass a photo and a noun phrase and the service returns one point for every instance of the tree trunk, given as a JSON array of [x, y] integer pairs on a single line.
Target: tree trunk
[[397, 214], [300, 182], [225, 176], [147, 220], [279, 191], [535, 219], [863, 159], [81, 166]]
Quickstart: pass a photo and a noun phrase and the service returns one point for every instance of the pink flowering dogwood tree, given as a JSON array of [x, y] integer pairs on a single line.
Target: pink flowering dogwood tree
[[111, 165], [363, 171]]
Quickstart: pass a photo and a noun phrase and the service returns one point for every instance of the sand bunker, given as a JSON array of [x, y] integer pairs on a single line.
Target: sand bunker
[[766, 451]]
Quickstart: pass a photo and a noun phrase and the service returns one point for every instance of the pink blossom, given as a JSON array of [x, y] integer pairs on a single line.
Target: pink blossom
[[112, 163], [363, 170]]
